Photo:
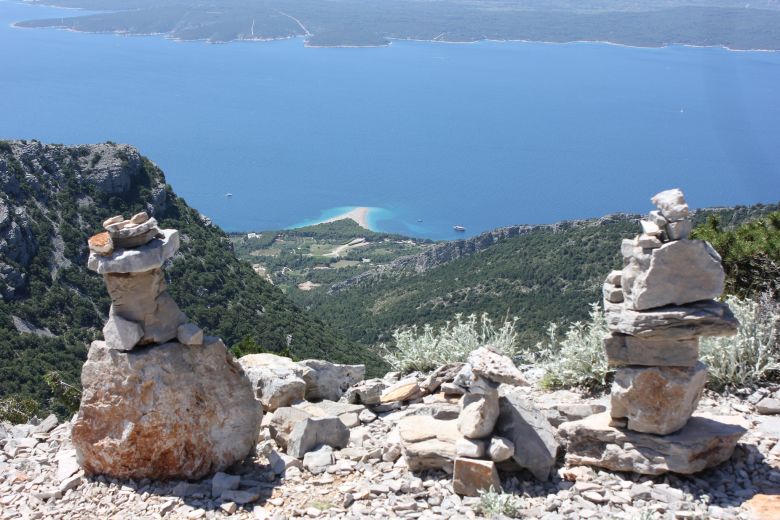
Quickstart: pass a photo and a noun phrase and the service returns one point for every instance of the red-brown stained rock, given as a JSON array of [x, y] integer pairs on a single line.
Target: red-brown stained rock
[[165, 411]]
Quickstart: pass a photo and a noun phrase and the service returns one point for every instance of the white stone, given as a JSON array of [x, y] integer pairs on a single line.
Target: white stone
[[469, 448], [679, 272], [121, 334], [671, 204], [500, 449], [679, 230], [650, 228]]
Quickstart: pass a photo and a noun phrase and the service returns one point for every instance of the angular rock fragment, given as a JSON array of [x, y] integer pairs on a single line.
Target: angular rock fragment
[[488, 363], [277, 380], [701, 444], [189, 334], [470, 448], [327, 380], [612, 293], [500, 449], [405, 390], [679, 230], [679, 272], [631, 350], [365, 392], [657, 400], [121, 334], [309, 434], [101, 244], [478, 414], [526, 427], [671, 204], [428, 443], [472, 476]]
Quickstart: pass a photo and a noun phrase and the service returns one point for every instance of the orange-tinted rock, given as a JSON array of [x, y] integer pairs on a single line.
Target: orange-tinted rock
[[101, 244], [166, 411], [472, 476]]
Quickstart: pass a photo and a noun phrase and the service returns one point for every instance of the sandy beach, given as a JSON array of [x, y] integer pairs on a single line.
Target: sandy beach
[[359, 215]]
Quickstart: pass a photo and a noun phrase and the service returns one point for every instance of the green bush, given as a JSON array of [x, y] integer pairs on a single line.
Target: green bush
[[577, 359], [753, 355], [429, 348]]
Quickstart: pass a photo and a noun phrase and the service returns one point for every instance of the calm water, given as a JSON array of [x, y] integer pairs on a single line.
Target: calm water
[[480, 135]]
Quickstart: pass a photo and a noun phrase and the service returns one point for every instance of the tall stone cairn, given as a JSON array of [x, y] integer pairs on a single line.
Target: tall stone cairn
[[657, 307], [159, 399]]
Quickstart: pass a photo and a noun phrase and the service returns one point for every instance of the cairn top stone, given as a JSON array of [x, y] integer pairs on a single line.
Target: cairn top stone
[[144, 258], [671, 204]]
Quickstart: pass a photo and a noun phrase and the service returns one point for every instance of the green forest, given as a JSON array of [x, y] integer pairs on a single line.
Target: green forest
[[54, 193]]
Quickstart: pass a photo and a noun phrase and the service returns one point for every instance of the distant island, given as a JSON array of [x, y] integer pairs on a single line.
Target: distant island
[[733, 24]]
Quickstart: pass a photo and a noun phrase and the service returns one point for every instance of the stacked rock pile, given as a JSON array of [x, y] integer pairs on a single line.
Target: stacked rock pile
[[493, 427], [657, 308], [159, 399]]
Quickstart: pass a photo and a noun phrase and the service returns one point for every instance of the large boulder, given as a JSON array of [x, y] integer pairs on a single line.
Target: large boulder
[[657, 400], [701, 444], [676, 273], [277, 380], [527, 428], [327, 380], [162, 412]]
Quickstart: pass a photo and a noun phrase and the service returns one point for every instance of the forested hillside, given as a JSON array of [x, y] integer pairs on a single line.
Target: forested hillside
[[52, 198], [545, 273]]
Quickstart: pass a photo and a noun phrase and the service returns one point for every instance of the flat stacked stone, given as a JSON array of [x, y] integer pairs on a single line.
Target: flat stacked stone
[[130, 255], [657, 307]]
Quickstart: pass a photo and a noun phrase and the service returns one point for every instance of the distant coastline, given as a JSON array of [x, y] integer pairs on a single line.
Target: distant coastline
[[362, 215], [675, 25]]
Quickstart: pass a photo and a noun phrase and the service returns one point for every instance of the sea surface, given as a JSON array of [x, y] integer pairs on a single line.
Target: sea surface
[[433, 134]]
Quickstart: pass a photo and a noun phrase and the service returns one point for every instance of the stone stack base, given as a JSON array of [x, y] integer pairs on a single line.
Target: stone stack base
[[702, 443]]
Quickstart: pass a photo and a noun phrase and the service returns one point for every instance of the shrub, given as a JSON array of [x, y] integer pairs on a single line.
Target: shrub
[[753, 355], [430, 348], [577, 359], [495, 504], [18, 409]]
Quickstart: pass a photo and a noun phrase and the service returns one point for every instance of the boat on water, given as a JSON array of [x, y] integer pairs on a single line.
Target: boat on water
[[228, 194], [459, 229]]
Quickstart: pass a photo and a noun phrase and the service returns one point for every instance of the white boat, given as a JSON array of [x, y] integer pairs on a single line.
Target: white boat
[[228, 194], [459, 229]]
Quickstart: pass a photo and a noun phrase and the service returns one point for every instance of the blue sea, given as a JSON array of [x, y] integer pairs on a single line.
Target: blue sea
[[430, 134]]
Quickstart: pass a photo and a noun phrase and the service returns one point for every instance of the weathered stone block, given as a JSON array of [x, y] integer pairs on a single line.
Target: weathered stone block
[[472, 476], [657, 400], [630, 350]]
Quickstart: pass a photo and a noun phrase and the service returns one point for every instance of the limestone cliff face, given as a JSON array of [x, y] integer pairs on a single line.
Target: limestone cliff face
[[34, 180]]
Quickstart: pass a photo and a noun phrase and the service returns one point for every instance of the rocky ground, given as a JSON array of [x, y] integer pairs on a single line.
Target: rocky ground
[[39, 477]]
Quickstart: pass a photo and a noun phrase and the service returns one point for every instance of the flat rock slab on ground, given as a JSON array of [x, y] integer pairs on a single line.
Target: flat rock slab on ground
[[702, 443]]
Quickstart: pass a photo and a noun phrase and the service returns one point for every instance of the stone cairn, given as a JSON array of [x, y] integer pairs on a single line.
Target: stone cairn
[[159, 399], [657, 307], [495, 426]]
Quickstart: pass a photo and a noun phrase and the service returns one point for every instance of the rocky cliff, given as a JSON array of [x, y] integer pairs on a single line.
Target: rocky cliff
[[52, 197]]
